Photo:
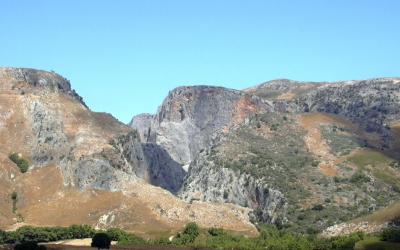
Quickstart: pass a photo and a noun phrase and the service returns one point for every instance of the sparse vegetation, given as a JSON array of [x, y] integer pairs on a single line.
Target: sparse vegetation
[[22, 163], [340, 143], [359, 177]]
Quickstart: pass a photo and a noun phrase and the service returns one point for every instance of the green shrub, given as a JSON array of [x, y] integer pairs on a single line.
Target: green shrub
[[192, 229], [32, 234], [391, 234], [188, 235], [22, 164], [216, 232]]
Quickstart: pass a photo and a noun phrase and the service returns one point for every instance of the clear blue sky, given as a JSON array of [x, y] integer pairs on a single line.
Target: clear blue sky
[[124, 56]]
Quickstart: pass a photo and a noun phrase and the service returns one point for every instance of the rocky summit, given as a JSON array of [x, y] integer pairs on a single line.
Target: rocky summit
[[306, 156]]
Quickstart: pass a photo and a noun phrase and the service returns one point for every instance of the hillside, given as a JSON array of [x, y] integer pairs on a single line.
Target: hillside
[[304, 156], [300, 154], [86, 167]]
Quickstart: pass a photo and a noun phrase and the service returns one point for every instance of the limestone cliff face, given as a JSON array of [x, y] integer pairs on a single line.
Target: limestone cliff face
[[193, 119], [190, 118]]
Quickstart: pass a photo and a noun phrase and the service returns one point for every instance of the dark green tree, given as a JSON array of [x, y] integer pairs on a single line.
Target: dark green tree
[[101, 241]]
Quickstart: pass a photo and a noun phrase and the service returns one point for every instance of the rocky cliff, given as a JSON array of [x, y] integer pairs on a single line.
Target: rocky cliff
[[190, 118], [86, 167], [297, 153], [291, 153]]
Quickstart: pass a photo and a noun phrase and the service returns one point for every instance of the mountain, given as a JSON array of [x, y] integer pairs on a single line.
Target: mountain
[[87, 167], [304, 155]]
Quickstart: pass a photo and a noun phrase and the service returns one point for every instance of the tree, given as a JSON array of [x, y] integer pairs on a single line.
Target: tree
[[101, 241]]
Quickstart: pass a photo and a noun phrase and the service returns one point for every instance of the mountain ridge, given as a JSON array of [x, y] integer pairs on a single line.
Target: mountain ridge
[[326, 114], [294, 155]]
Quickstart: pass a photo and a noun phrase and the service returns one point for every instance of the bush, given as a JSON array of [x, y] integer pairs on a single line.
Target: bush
[[188, 235], [22, 164], [216, 232], [391, 234], [46, 234], [32, 234], [192, 229], [101, 240]]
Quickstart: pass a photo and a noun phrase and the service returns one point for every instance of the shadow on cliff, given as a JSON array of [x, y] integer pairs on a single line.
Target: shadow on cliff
[[164, 171]]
